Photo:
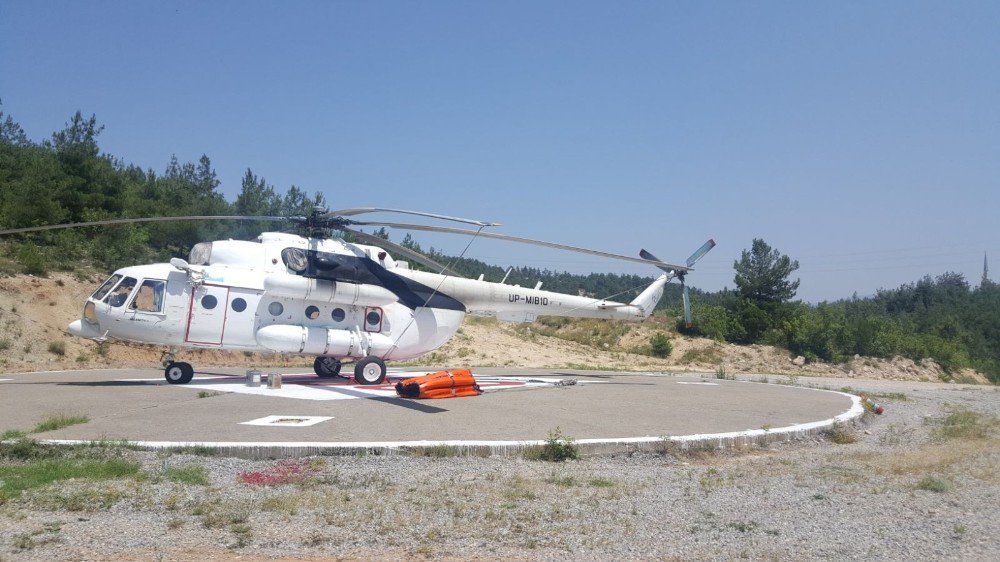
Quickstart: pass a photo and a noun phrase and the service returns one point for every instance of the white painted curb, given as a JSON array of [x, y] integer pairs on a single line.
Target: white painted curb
[[502, 448]]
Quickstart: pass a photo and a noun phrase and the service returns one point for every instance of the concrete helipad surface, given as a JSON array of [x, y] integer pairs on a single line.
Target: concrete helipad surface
[[517, 406]]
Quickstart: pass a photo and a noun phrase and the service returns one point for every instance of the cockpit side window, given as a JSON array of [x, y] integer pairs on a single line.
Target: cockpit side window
[[103, 290], [149, 297], [117, 297]]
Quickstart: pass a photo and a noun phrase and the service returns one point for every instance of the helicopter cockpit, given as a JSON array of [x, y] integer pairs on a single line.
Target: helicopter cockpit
[[117, 289], [126, 292]]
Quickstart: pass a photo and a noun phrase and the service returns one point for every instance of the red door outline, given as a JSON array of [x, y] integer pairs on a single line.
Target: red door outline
[[381, 317], [225, 312]]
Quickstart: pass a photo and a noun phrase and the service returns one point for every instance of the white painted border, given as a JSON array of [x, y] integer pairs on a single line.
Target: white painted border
[[855, 411]]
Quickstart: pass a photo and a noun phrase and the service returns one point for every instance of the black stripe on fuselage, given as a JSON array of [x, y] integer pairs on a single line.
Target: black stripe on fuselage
[[354, 269]]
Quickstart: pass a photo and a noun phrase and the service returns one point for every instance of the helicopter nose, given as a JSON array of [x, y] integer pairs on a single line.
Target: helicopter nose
[[83, 329]]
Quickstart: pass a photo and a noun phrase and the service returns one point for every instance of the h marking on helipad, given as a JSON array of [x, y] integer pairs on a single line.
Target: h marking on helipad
[[288, 421]]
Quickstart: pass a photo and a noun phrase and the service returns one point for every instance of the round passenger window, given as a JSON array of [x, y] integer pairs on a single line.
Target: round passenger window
[[312, 312], [239, 305], [208, 302], [338, 315], [373, 318], [275, 308]]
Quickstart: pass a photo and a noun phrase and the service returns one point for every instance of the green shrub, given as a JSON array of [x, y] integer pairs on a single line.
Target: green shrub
[[713, 321], [57, 348], [557, 448], [660, 346], [934, 484], [32, 259], [187, 474]]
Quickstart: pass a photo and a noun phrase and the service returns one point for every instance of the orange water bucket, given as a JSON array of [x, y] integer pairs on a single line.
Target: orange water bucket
[[443, 384]]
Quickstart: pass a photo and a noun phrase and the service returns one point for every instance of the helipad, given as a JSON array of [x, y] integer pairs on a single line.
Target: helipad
[[601, 410]]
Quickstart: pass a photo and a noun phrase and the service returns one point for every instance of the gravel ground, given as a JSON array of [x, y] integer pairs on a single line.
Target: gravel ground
[[902, 491]]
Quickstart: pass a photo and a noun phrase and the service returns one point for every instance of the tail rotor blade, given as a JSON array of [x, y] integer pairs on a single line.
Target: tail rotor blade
[[697, 255], [687, 307]]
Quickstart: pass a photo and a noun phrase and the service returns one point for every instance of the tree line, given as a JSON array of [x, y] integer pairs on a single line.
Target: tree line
[[66, 178], [943, 317]]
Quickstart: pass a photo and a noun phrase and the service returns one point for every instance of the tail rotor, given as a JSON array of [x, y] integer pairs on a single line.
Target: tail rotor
[[680, 274]]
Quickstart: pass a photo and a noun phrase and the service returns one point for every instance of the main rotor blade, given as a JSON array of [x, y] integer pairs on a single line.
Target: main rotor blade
[[362, 210], [671, 270], [697, 255], [131, 221], [448, 230], [403, 250]]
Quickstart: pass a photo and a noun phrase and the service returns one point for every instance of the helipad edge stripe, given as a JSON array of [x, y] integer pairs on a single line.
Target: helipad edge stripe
[[855, 411]]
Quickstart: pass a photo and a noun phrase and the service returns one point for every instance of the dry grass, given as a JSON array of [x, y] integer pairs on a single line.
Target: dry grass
[[842, 434], [939, 457], [711, 355], [964, 441]]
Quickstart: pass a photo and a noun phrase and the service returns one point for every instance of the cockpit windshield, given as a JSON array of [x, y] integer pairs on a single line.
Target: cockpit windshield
[[117, 297], [103, 289]]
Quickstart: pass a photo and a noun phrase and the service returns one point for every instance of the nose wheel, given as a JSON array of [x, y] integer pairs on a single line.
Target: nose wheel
[[178, 373]]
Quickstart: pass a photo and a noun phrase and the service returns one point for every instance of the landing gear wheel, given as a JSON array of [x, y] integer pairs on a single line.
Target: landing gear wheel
[[179, 373], [370, 370], [326, 367]]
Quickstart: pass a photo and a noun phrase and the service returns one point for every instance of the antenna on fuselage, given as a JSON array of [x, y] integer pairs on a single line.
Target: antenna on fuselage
[[506, 275]]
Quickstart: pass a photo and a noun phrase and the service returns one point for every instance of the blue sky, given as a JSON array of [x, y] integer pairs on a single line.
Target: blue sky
[[861, 138]]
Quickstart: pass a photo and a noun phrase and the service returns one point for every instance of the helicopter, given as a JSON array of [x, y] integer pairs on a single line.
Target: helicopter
[[310, 293]]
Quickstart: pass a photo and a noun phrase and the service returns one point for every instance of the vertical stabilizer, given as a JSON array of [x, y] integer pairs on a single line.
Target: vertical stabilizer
[[647, 300]]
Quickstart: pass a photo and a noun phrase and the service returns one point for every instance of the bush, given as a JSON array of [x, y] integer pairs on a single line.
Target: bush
[[557, 448], [660, 346], [934, 484], [713, 321], [57, 348], [32, 259]]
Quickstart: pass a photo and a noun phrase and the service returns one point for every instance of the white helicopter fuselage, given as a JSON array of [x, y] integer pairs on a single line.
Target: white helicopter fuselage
[[318, 297]]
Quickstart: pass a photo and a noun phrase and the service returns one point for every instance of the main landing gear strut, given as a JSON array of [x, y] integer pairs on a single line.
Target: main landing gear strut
[[370, 370]]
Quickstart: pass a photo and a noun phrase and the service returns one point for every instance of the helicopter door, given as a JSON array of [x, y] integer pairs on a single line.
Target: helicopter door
[[241, 317], [208, 314]]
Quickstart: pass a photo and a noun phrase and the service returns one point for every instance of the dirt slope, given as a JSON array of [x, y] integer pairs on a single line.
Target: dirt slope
[[34, 313]]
